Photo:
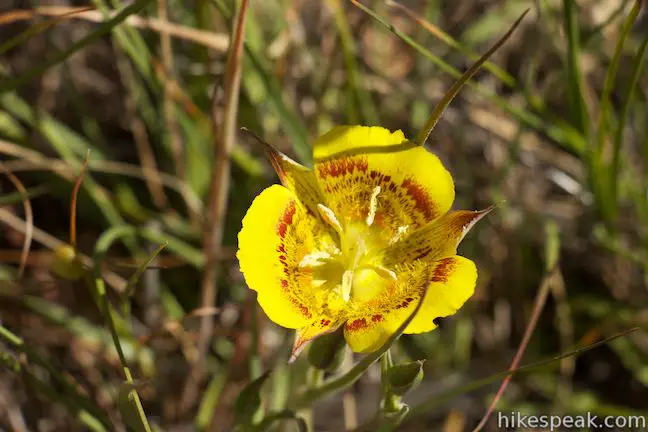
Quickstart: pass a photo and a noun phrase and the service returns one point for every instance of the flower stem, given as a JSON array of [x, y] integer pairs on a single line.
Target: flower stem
[[314, 378], [390, 403]]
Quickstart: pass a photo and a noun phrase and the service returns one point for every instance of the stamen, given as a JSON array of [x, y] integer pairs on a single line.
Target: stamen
[[373, 206], [380, 270], [314, 259], [330, 218], [347, 282]]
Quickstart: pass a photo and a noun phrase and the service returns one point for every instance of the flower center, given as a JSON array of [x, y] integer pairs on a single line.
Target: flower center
[[351, 265]]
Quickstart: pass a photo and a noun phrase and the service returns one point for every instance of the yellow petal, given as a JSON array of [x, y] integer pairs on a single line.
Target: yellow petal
[[450, 281], [452, 284], [437, 239], [371, 174], [297, 178], [345, 140], [277, 234]]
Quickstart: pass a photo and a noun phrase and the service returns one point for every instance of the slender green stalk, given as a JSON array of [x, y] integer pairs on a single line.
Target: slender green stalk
[[101, 248], [558, 130], [574, 75], [390, 402], [637, 67], [132, 282], [505, 77], [424, 133], [610, 78]]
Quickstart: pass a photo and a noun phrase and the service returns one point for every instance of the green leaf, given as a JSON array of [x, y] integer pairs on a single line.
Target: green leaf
[[327, 351], [248, 401], [404, 377]]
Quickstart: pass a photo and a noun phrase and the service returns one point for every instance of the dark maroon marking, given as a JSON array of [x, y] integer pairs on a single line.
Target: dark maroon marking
[[377, 318], [358, 324], [421, 198], [286, 219], [443, 269], [343, 166]]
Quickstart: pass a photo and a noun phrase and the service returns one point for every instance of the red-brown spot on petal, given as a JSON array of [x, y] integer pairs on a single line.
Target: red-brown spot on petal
[[342, 166], [358, 324], [286, 219], [422, 200], [443, 269], [377, 318]]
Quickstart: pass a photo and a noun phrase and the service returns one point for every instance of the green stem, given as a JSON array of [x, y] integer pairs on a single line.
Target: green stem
[[314, 378], [390, 402], [101, 248]]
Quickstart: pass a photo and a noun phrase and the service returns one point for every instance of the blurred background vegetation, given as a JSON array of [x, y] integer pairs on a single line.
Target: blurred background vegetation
[[554, 127]]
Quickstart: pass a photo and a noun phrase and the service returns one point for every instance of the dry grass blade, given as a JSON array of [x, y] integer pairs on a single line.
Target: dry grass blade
[[423, 135], [217, 206], [215, 41], [25, 15], [538, 306], [29, 218]]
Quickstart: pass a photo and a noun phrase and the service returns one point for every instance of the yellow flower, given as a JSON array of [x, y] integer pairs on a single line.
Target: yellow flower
[[356, 241]]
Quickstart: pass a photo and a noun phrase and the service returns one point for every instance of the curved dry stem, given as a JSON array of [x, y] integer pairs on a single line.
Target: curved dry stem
[[538, 306], [29, 218]]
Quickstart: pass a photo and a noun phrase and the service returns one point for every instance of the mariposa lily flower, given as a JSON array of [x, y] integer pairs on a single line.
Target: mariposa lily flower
[[358, 240]]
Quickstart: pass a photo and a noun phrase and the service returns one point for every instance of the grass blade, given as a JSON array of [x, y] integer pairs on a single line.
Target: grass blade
[[574, 75], [637, 67], [562, 133], [451, 394], [423, 135]]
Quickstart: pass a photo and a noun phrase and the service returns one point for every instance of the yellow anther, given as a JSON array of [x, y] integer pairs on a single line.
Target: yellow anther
[[373, 206], [330, 218]]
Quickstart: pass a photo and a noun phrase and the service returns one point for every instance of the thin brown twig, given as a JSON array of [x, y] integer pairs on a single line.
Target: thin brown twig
[[73, 201], [538, 306], [215, 41], [217, 205], [168, 105], [29, 219]]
